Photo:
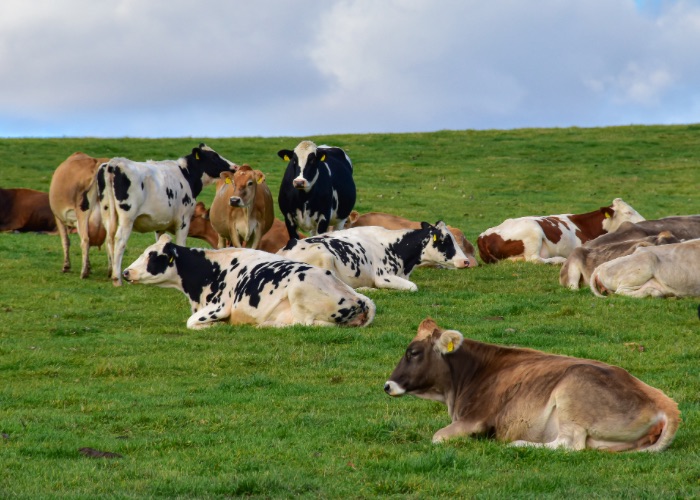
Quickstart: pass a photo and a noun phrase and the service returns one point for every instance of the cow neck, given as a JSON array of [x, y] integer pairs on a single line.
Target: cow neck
[[409, 247], [192, 174], [196, 271], [590, 224]]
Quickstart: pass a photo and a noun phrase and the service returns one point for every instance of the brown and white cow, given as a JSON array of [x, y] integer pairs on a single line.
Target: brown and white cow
[[73, 198], [550, 239], [242, 210], [389, 221], [662, 271], [583, 260], [531, 398], [25, 210]]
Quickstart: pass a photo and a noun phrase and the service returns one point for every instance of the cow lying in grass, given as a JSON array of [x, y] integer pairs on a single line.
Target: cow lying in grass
[[531, 398], [245, 286]]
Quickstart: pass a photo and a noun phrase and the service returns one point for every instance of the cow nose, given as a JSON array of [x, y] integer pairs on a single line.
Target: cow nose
[[299, 183], [126, 274], [387, 387], [234, 201]]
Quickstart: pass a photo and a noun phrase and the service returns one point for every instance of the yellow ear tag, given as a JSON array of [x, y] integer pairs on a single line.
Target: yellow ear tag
[[450, 346], [607, 215], [228, 180], [260, 179], [323, 158], [435, 237], [286, 158], [171, 260], [196, 156]]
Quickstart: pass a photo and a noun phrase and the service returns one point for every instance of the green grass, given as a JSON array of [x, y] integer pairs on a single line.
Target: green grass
[[301, 411]]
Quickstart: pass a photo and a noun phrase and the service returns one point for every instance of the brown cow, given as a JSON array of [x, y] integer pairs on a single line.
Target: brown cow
[[550, 239], [531, 398], [389, 221], [583, 260], [73, 199], [683, 227], [242, 210], [200, 227], [25, 210]]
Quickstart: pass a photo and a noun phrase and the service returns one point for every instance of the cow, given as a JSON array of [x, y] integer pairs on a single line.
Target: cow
[[550, 239], [276, 238], [531, 398], [683, 227], [583, 260], [660, 271], [242, 210], [73, 200], [376, 257], [246, 286], [25, 210], [317, 190], [153, 196], [200, 227], [389, 221]]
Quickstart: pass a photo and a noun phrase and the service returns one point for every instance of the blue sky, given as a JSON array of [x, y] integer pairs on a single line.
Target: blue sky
[[218, 68]]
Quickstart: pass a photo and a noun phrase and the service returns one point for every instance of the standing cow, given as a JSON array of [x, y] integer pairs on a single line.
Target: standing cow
[[528, 397], [242, 210], [153, 196], [73, 199], [317, 189]]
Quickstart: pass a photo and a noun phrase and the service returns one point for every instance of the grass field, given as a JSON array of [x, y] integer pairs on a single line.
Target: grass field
[[301, 411]]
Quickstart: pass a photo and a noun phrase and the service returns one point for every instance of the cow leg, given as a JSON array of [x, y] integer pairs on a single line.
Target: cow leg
[[291, 229], [120, 239], [322, 226], [207, 316], [457, 429], [394, 283], [571, 437], [651, 288], [65, 242], [84, 235]]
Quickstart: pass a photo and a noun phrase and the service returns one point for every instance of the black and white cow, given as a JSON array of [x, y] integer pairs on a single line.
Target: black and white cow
[[245, 286], [317, 189], [153, 196], [376, 257]]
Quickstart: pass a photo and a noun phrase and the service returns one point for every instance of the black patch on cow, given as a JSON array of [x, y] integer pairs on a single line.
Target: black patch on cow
[[84, 202], [186, 200], [125, 206], [251, 284], [169, 193], [122, 183], [353, 255], [143, 186], [101, 184], [158, 263], [200, 162], [197, 273], [291, 244], [348, 313]]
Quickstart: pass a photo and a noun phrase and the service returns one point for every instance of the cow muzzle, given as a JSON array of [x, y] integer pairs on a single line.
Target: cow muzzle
[[129, 276], [393, 389], [300, 184], [235, 201]]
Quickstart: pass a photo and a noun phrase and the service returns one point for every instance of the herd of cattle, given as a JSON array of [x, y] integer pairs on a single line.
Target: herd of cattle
[[263, 271]]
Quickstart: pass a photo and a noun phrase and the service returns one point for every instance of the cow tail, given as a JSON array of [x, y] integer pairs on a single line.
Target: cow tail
[[110, 202], [596, 287], [670, 420]]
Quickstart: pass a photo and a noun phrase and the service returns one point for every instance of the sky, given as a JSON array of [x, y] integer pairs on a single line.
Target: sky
[[267, 68]]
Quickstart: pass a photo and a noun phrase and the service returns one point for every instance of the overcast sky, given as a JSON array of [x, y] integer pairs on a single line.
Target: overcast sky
[[220, 68]]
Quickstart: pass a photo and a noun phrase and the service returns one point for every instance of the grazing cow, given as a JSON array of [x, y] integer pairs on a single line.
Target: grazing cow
[[152, 196], [583, 260], [389, 221], [665, 271], [551, 239], [683, 227], [317, 189], [242, 210], [25, 210], [245, 286], [376, 257], [73, 198], [200, 227], [531, 398]]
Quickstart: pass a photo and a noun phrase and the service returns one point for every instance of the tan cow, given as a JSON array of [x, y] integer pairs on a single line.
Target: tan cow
[[531, 398], [389, 221], [583, 260], [73, 199], [242, 210], [25, 210], [200, 227]]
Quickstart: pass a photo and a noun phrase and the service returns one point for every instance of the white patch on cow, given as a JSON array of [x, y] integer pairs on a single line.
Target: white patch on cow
[[623, 213]]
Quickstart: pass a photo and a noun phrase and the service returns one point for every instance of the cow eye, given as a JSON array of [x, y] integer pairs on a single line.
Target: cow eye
[[250, 183], [412, 353]]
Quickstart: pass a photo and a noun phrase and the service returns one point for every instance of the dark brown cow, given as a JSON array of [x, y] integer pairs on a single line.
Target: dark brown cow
[[683, 227], [389, 221], [531, 398], [551, 239], [25, 210], [579, 266], [73, 199]]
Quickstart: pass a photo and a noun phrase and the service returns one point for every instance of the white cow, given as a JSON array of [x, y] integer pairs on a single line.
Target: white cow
[[153, 196], [372, 256], [245, 286]]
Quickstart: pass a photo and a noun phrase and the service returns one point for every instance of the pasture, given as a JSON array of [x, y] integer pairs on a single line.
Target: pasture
[[301, 411]]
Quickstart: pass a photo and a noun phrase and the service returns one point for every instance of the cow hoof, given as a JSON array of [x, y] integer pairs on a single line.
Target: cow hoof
[[116, 282], [65, 269]]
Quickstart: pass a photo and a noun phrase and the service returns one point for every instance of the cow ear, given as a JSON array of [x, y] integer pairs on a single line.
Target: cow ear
[[195, 152], [425, 225], [285, 154], [448, 341], [171, 251], [259, 177], [165, 238], [607, 212], [354, 215]]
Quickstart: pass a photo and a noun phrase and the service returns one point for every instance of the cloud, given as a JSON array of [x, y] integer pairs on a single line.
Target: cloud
[[183, 68]]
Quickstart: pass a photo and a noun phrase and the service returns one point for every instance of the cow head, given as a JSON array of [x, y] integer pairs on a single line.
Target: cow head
[[304, 162], [244, 183], [423, 370], [156, 265], [209, 162], [617, 214], [442, 250]]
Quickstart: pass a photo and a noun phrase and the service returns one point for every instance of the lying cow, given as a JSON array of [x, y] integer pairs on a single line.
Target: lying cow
[[532, 398], [583, 260], [276, 238], [153, 196], [25, 210], [242, 210], [551, 239], [389, 221], [317, 190], [200, 227], [245, 286], [376, 257], [664, 271], [683, 227], [73, 198]]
